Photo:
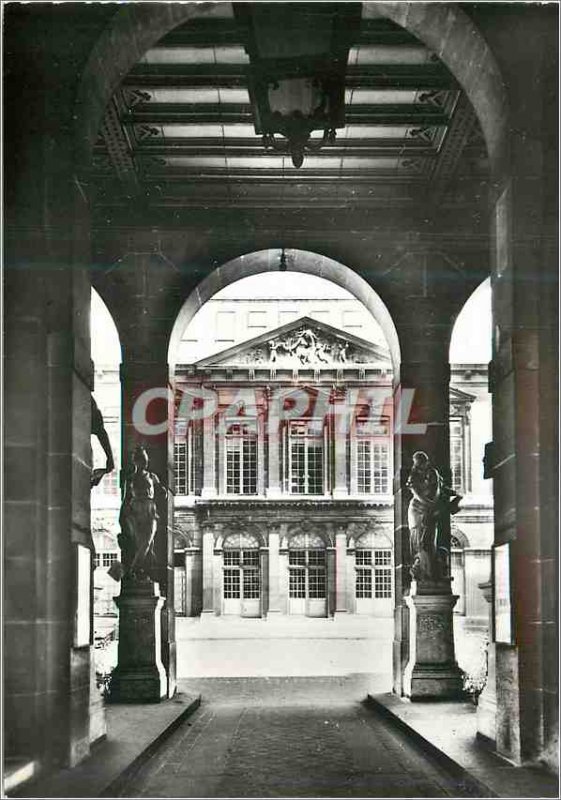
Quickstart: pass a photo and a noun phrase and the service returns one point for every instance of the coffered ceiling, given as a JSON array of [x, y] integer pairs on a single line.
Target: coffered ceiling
[[179, 132]]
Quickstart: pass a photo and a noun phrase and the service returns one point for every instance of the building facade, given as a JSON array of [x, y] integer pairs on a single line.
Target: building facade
[[283, 456]]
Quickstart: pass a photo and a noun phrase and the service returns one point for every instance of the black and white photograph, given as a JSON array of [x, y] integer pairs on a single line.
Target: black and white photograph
[[280, 459]]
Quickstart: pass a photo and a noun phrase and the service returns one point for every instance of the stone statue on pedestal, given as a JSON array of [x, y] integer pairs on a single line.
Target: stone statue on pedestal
[[431, 503], [139, 517]]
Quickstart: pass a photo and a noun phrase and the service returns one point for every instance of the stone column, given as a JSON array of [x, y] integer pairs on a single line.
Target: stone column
[[274, 571], [340, 436], [209, 458], [274, 483], [424, 665], [487, 703], [331, 581], [264, 576], [208, 560], [341, 572]]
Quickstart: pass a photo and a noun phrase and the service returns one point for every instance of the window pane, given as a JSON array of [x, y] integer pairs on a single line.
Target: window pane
[[363, 468], [382, 582], [306, 457], [315, 468], [181, 475], [316, 558], [380, 453], [231, 557], [296, 557], [231, 583], [250, 558], [363, 557], [364, 583], [316, 583], [251, 584], [382, 558], [457, 454], [241, 458], [297, 583]]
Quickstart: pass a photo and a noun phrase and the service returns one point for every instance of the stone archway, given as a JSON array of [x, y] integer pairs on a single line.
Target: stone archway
[[298, 261], [443, 27]]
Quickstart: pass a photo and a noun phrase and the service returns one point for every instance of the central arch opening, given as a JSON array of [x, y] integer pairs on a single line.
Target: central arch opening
[[283, 498]]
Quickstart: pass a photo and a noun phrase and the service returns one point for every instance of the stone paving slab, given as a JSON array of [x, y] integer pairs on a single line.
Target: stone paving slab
[[448, 731], [261, 747], [133, 733]]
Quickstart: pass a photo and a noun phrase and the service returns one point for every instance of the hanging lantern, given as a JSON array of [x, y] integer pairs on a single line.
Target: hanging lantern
[[298, 56]]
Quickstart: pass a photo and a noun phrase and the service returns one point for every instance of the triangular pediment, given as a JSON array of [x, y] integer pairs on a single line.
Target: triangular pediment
[[304, 343]]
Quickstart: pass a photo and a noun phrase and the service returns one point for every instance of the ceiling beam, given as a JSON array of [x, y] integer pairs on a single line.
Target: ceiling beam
[[431, 75], [164, 113], [254, 147], [200, 33]]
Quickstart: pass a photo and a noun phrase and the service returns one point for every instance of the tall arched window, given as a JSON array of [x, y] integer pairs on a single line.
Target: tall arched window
[[373, 574]]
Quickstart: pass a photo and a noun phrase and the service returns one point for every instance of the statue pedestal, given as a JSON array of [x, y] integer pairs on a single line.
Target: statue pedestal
[[139, 676], [432, 672], [487, 703]]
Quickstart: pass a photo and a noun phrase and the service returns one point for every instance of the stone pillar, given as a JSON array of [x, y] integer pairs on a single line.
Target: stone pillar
[[331, 581], [208, 561], [524, 384], [139, 676], [209, 457], [274, 571], [421, 422], [264, 576], [274, 482], [487, 703], [340, 436], [261, 424], [341, 572]]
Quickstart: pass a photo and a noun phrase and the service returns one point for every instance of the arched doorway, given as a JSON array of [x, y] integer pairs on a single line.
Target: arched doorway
[[241, 575], [307, 575]]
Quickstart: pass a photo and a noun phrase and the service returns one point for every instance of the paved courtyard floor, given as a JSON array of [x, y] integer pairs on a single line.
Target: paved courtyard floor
[[288, 737], [211, 646]]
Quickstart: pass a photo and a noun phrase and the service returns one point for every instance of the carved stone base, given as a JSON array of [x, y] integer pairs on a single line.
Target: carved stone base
[[139, 676], [487, 703], [432, 672], [98, 727]]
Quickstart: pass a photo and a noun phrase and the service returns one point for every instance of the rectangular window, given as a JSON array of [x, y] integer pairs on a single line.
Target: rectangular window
[[373, 459], [108, 558], [457, 454], [257, 319], [225, 323], [241, 458], [305, 454]]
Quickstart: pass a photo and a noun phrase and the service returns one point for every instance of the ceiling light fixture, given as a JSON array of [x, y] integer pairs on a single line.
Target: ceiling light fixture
[[298, 56]]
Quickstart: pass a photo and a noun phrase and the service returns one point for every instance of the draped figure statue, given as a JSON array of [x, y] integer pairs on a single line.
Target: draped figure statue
[[139, 517], [431, 503]]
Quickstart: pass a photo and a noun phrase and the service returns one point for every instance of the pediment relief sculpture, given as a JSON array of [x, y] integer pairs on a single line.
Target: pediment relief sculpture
[[304, 347]]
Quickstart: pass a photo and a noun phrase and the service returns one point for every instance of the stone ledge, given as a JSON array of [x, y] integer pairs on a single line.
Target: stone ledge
[[134, 732], [447, 732]]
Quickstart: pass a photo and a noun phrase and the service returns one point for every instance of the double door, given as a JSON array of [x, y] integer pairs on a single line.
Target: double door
[[241, 583], [307, 582]]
